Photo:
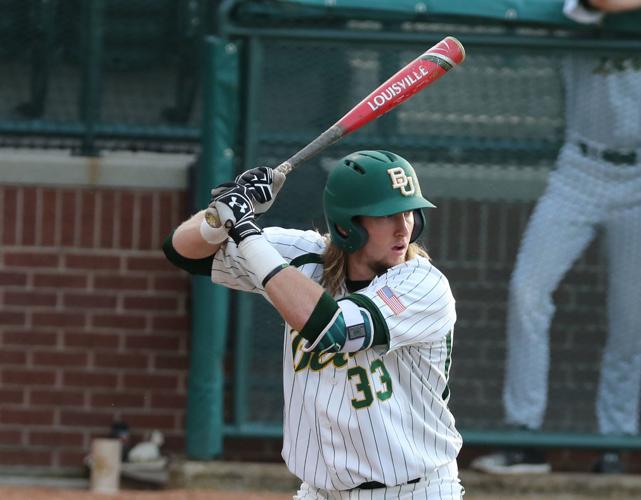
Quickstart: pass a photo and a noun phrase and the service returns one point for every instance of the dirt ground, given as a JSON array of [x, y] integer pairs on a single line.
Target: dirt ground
[[28, 493]]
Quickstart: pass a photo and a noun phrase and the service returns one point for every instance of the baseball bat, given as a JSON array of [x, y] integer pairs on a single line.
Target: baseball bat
[[415, 76]]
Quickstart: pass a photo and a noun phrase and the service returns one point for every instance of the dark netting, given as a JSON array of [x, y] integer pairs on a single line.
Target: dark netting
[[115, 69], [483, 141]]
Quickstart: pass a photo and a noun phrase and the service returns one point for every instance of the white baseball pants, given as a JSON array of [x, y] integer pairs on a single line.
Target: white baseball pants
[[582, 196]]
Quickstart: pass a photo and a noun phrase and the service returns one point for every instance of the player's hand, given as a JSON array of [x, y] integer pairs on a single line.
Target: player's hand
[[263, 184], [235, 209]]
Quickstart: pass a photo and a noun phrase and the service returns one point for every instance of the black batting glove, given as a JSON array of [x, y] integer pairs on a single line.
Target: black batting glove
[[235, 210], [263, 184]]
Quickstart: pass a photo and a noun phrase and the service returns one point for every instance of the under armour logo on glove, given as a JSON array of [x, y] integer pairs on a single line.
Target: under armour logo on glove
[[263, 184], [235, 210], [242, 207]]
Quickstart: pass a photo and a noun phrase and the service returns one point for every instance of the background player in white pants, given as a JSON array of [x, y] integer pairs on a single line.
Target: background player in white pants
[[596, 186], [366, 356]]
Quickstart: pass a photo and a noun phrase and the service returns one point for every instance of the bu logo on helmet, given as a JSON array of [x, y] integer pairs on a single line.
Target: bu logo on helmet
[[401, 181]]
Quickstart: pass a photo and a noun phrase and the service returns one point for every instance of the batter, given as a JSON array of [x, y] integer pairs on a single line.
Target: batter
[[369, 328]]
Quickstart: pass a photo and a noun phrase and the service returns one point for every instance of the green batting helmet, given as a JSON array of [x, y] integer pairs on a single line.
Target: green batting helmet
[[374, 183]]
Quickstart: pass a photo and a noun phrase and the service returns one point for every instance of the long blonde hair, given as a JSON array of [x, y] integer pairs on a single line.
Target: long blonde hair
[[335, 264]]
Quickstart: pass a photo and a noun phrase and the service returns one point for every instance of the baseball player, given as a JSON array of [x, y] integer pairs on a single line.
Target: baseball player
[[369, 324], [595, 187]]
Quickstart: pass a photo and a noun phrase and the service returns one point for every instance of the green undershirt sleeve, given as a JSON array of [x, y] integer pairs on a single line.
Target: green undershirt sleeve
[[192, 266]]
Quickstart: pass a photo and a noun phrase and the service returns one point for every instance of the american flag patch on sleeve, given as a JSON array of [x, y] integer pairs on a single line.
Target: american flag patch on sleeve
[[390, 298]]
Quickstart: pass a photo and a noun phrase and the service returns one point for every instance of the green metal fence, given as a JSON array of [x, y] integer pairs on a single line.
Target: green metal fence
[[483, 140], [89, 71]]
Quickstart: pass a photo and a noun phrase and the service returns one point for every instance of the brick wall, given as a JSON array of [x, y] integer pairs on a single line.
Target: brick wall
[[93, 324]]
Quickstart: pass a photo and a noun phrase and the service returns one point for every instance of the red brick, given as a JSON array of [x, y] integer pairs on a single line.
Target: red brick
[[25, 456], [174, 323], [58, 280], [92, 262], [89, 379], [88, 223], [165, 215], [91, 340], [171, 362], [107, 211], [68, 218], [175, 442], [145, 206], [126, 220], [89, 301], [178, 283], [119, 321], [63, 319], [30, 337], [117, 400], [8, 357], [28, 377], [152, 262], [48, 221], [26, 417], [152, 341], [92, 418], [120, 282], [11, 396], [123, 361], [9, 215], [60, 359], [151, 303], [70, 458], [9, 437], [12, 318], [28, 222], [30, 298], [56, 438], [56, 398], [12, 278], [171, 401], [151, 381], [31, 259], [153, 420]]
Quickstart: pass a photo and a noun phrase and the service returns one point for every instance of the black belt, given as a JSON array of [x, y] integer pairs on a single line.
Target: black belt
[[372, 485], [610, 155]]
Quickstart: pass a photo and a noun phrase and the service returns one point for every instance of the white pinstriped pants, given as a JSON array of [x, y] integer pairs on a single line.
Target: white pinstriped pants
[[442, 484], [582, 195]]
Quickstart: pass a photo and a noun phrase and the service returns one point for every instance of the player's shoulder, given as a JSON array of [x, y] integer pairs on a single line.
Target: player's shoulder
[[418, 272], [294, 242]]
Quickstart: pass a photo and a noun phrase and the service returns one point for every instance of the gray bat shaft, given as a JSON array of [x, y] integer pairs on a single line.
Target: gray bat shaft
[[330, 136]]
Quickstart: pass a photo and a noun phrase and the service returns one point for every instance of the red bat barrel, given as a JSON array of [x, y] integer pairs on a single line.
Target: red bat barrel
[[421, 72]]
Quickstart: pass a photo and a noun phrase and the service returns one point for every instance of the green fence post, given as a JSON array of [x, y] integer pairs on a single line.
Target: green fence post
[[210, 310], [92, 73]]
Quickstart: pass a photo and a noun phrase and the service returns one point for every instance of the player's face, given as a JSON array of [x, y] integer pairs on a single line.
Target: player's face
[[389, 238]]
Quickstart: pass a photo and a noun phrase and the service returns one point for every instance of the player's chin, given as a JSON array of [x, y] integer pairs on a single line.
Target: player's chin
[[395, 259]]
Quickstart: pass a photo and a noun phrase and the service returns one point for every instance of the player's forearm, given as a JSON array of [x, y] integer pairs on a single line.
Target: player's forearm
[[613, 6], [294, 296], [188, 240]]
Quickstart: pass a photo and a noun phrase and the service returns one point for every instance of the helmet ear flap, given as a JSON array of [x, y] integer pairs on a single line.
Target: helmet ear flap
[[352, 238], [419, 224]]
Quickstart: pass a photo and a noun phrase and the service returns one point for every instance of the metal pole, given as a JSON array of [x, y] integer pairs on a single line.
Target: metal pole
[[210, 312], [92, 74]]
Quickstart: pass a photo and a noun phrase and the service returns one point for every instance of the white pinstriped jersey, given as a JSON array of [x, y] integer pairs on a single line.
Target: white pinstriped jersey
[[376, 415]]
